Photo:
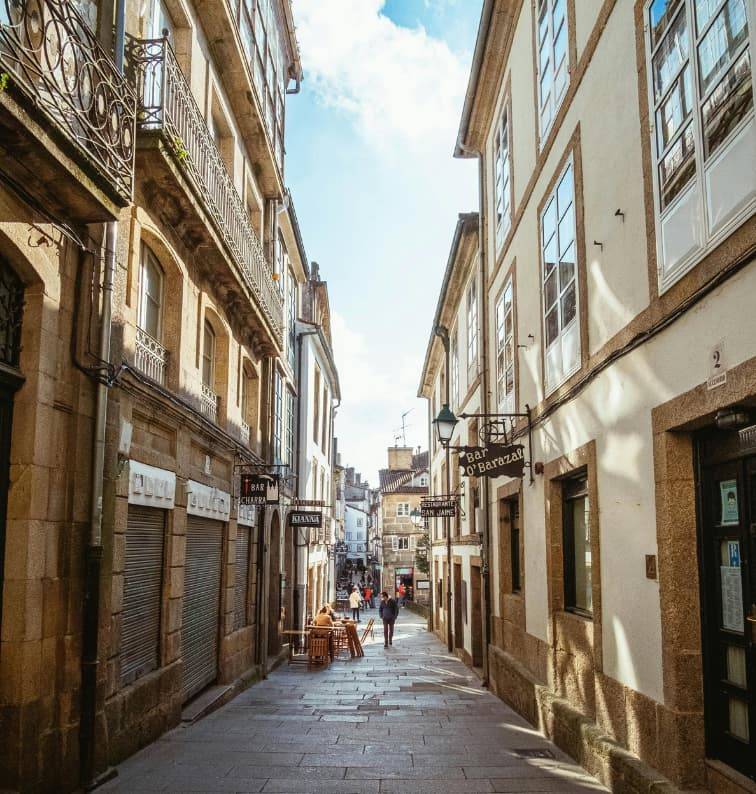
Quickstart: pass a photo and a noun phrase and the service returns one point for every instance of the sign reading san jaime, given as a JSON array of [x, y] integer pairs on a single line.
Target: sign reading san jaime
[[438, 507], [493, 460], [300, 518]]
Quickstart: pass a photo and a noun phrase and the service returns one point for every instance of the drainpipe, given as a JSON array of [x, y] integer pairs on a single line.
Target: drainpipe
[[486, 408], [443, 333], [93, 552]]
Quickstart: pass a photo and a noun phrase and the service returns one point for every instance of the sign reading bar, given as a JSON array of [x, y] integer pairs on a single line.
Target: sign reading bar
[[438, 507], [493, 460], [258, 489], [301, 519]]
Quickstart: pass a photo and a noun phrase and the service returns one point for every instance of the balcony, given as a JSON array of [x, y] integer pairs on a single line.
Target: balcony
[[66, 114], [151, 357], [209, 403], [186, 181]]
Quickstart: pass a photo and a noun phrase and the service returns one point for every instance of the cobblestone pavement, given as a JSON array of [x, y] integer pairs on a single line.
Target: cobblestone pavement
[[407, 719]]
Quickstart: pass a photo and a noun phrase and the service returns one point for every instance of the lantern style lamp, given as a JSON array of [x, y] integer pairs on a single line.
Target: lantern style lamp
[[416, 518], [445, 423]]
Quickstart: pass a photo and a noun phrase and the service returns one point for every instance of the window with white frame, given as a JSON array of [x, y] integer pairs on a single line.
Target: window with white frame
[[560, 285], [399, 543], [454, 355], [150, 308], [277, 415], [553, 60], [402, 509], [292, 318], [502, 176], [472, 325], [289, 445], [505, 350], [703, 129]]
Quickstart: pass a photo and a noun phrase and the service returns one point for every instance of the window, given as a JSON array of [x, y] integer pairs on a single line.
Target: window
[[472, 326], [402, 509], [505, 351], [325, 418], [423, 480], [578, 593], [348, 535], [292, 319], [149, 315], [454, 371], [552, 60], [399, 543], [502, 177], [510, 512], [277, 415], [701, 95], [316, 415], [208, 355], [359, 522], [289, 444], [560, 287]]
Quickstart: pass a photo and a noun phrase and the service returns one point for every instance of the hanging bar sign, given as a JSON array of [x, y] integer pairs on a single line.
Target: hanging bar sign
[[493, 460], [258, 489]]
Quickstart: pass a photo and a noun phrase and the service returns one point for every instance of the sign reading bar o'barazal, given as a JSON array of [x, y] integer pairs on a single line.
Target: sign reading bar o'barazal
[[302, 519], [493, 460]]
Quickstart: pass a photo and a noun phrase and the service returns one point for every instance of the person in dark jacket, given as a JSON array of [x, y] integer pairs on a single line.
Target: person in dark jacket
[[389, 612]]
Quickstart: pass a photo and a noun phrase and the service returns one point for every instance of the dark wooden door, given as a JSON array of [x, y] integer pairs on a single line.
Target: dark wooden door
[[728, 543], [476, 616], [459, 605], [6, 417]]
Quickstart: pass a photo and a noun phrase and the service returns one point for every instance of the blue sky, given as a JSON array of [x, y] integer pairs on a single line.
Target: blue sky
[[377, 192]]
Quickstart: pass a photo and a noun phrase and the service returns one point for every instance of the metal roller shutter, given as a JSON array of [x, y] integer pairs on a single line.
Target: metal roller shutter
[[201, 612], [241, 585], [142, 592]]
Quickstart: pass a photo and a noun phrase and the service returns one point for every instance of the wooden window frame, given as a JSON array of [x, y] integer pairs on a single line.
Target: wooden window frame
[[568, 539]]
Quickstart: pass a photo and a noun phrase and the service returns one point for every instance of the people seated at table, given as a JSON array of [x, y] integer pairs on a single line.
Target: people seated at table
[[323, 618]]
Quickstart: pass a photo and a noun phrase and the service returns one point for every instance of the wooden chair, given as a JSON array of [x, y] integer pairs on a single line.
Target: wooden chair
[[340, 642], [368, 630], [318, 653]]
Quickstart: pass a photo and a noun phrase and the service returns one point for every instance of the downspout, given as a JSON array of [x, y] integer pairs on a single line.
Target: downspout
[[443, 333], [431, 571], [486, 408], [94, 552]]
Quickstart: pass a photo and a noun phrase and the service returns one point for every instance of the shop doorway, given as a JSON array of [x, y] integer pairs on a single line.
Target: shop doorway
[[727, 557], [274, 587], [404, 584], [476, 617]]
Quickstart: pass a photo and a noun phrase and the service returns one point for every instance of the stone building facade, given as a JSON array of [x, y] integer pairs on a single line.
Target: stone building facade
[[151, 281], [619, 607], [402, 486], [456, 318]]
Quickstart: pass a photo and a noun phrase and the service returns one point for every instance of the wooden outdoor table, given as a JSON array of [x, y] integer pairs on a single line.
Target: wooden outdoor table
[[355, 646], [293, 633]]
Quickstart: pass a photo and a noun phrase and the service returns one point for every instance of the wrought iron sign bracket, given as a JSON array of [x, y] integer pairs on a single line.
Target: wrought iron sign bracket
[[500, 428]]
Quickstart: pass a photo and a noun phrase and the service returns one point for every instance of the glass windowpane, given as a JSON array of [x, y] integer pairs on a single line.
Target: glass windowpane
[[551, 290], [736, 666], [552, 326], [677, 168], [660, 14], [569, 306], [728, 104], [738, 718], [675, 110], [726, 34], [582, 554], [671, 55]]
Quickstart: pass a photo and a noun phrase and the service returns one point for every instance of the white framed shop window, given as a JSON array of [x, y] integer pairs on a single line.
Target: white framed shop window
[[703, 133]]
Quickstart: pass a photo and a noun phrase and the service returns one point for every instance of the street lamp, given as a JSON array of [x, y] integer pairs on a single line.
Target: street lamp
[[416, 518], [445, 423]]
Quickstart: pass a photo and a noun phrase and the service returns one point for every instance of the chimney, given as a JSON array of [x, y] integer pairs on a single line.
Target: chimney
[[350, 475], [399, 458]]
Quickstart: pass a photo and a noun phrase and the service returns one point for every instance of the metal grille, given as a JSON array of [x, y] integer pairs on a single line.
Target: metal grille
[[241, 585], [201, 612], [56, 60], [167, 105], [142, 592], [11, 314]]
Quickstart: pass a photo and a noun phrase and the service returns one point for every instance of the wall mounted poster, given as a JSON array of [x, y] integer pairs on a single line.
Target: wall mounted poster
[[732, 599], [728, 491]]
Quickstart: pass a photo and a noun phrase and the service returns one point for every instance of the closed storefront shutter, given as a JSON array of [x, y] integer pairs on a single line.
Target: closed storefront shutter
[[241, 588], [142, 592], [201, 612]]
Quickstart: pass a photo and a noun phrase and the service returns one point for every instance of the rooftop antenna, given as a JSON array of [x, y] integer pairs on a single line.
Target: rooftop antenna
[[396, 440], [404, 426]]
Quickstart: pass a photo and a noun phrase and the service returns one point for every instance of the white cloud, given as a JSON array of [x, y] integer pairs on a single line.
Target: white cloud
[[400, 85]]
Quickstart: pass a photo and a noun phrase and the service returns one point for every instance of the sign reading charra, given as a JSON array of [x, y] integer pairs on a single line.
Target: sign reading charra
[[300, 518], [258, 489], [493, 460], [438, 506]]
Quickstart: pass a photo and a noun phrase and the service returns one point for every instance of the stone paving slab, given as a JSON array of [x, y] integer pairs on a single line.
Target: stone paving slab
[[406, 719]]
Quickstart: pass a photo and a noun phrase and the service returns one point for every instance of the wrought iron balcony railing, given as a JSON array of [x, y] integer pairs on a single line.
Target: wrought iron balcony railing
[[166, 104], [151, 357], [209, 402], [50, 53]]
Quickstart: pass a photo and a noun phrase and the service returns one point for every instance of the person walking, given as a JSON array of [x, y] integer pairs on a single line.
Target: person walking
[[354, 602], [369, 596], [389, 612]]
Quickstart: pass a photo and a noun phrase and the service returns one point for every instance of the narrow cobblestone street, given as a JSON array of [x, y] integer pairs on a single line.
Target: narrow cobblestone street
[[408, 719]]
